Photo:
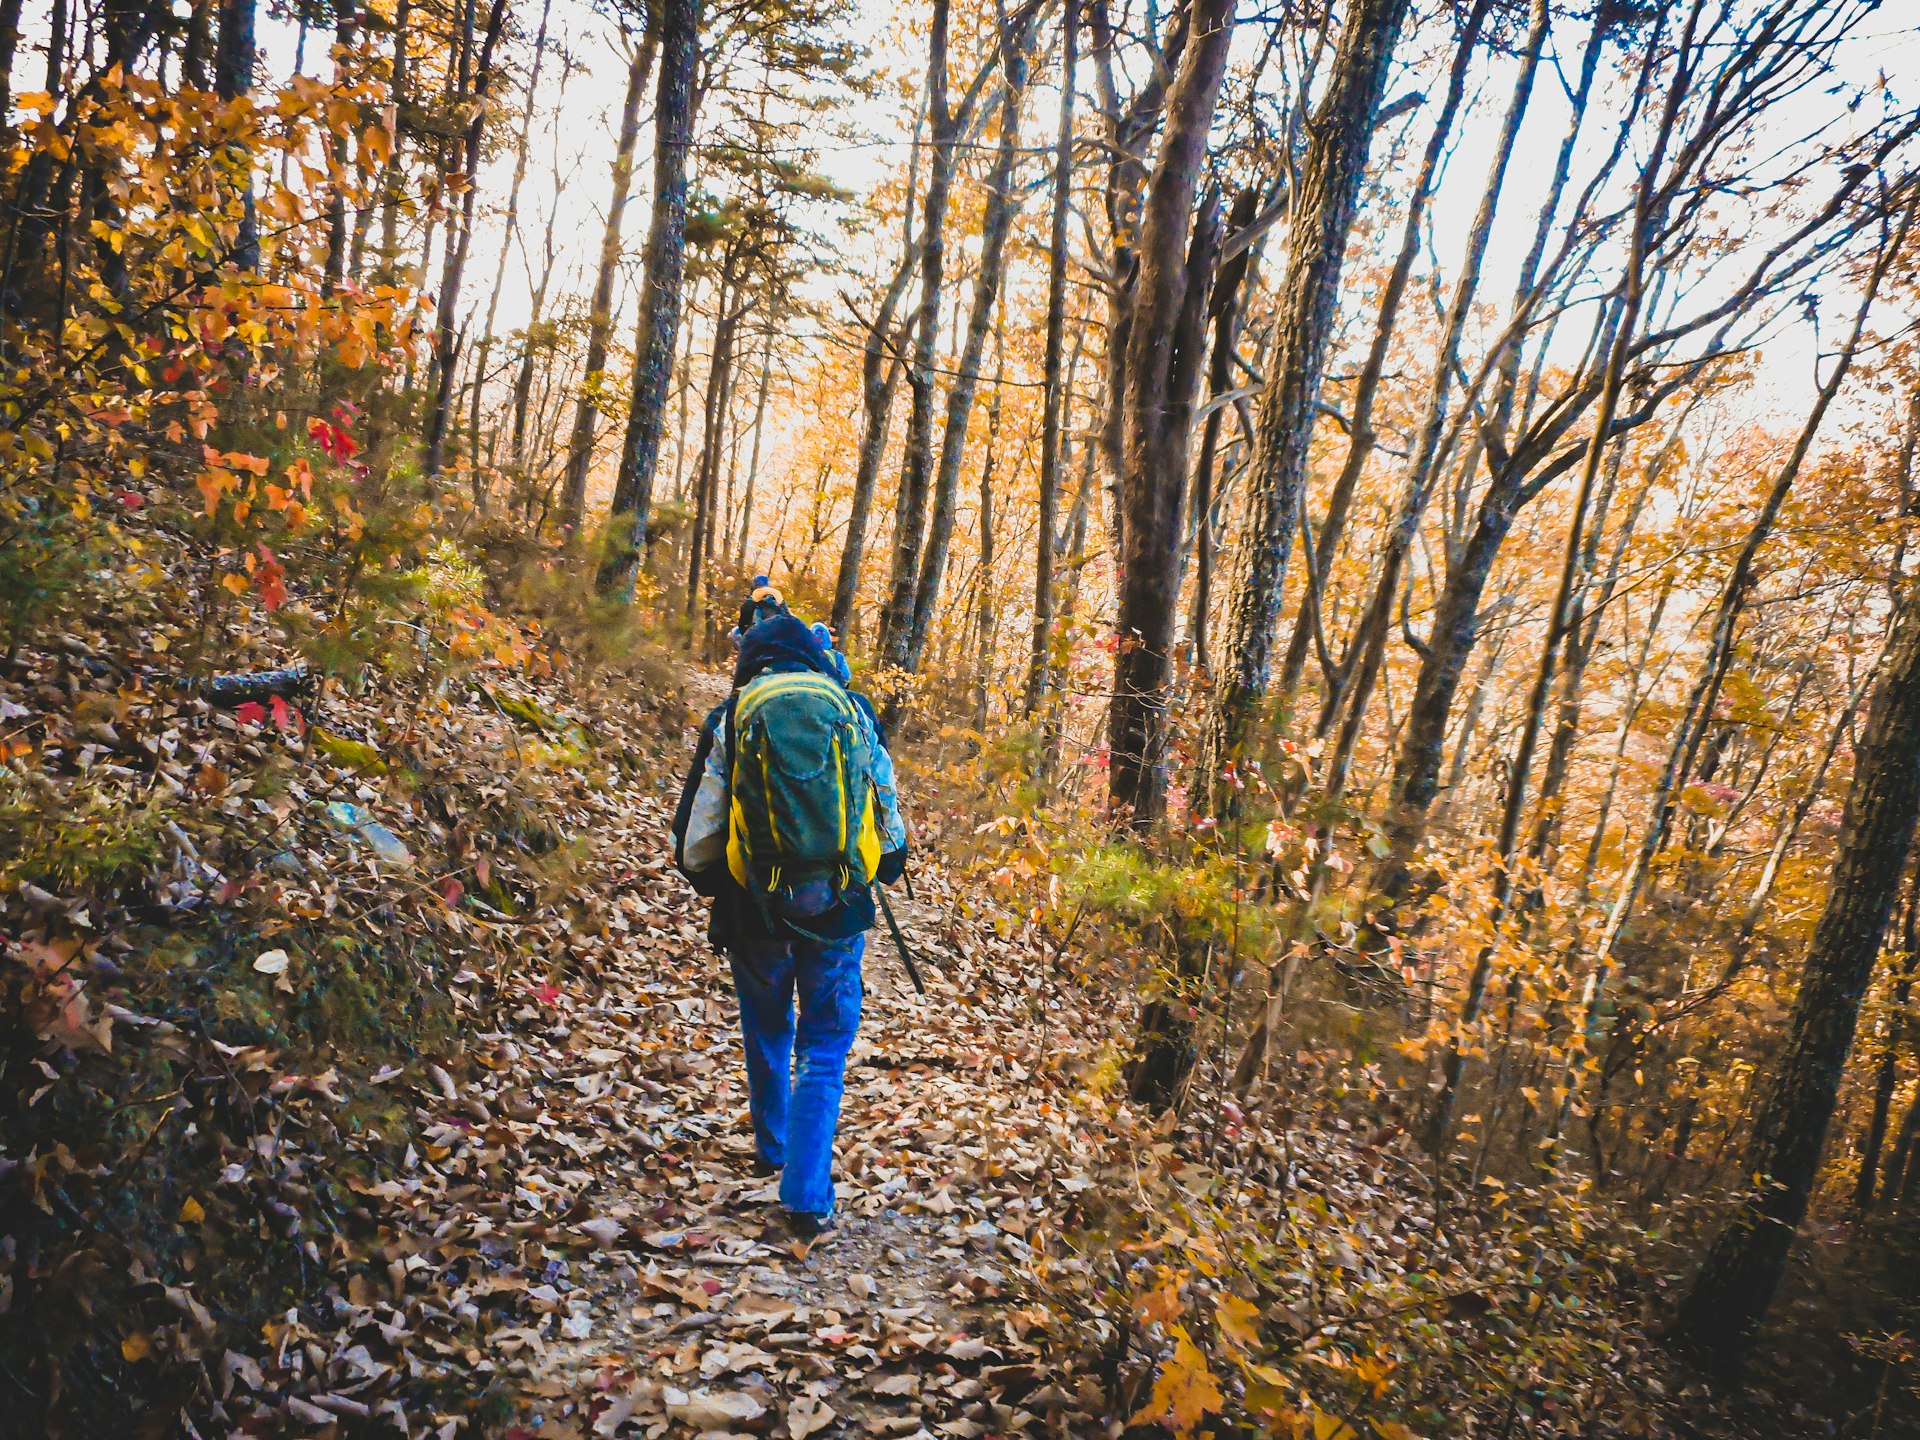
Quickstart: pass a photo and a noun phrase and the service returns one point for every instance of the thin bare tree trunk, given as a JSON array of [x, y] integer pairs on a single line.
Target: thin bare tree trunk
[[511, 230], [1361, 434], [1323, 210], [995, 225], [586, 415], [916, 465], [666, 264], [345, 23], [759, 427], [458, 241], [1052, 463], [1375, 624]]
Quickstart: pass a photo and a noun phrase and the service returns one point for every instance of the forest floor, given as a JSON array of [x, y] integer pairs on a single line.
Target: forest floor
[[387, 1084], [587, 1184], [691, 1303]]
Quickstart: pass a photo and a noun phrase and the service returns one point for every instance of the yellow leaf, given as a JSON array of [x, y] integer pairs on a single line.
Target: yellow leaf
[[1331, 1427], [1239, 1321], [1392, 1430], [136, 1346], [1185, 1390], [235, 582], [191, 1213]]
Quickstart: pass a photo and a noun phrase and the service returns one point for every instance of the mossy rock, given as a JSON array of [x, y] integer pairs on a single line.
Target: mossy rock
[[538, 718], [354, 755]]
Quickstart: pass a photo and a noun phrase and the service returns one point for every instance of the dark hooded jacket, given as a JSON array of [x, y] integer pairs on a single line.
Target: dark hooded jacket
[[778, 644]]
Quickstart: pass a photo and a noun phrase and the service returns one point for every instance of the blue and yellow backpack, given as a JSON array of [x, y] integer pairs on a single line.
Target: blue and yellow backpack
[[803, 827]]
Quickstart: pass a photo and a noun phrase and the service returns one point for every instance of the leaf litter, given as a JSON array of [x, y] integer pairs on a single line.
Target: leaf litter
[[571, 1242]]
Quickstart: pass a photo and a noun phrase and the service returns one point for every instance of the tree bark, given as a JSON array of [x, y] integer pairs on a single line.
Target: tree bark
[[666, 263], [586, 415], [1888, 1076], [1053, 408], [1738, 1278], [1165, 345], [1325, 201], [232, 78], [1224, 309]]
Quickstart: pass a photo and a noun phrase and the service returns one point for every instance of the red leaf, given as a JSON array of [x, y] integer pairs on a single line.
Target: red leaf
[[286, 719], [332, 439], [451, 892], [251, 713], [547, 994], [271, 579]]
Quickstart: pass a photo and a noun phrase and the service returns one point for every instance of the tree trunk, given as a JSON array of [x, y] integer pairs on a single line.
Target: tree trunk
[[1054, 406], [9, 43], [706, 474], [586, 415], [232, 78], [336, 262], [880, 372], [506, 245], [1361, 435], [910, 508], [1743, 1268], [1888, 1075], [1324, 203], [458, 241], [660, 299], [1375, 624], [391, 179], [195, 45], [753, 458], [995, 224], [989, 615], [1166, 342], [1224, 308]]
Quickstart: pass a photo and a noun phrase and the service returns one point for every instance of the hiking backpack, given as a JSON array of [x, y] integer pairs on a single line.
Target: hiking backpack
[[802, 824]]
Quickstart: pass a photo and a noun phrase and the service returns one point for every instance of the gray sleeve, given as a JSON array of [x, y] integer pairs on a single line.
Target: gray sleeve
[[706, 842]]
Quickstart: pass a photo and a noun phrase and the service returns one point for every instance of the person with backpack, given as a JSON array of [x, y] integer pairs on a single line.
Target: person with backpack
[[787, 819]]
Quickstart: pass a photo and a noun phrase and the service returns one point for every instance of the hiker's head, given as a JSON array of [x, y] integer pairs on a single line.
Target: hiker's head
[[836, 661], [763, 603]]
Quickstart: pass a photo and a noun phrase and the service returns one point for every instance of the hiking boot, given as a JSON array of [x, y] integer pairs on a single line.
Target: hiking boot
[[764, 1168], [808, 1226]]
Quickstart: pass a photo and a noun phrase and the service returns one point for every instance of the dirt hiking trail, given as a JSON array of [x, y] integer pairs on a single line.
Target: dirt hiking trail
[[640, 1272]]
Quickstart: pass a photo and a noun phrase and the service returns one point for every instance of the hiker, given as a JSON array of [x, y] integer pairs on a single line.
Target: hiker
[[787, 819]]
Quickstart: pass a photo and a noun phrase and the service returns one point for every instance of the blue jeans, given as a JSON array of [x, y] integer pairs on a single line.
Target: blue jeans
[[796, 1073]]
